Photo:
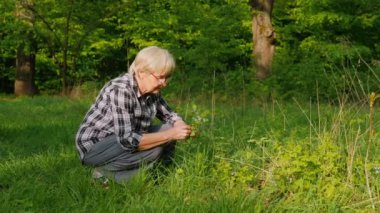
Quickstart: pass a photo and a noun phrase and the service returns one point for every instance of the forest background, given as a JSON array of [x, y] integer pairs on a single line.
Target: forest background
[[327, 46]]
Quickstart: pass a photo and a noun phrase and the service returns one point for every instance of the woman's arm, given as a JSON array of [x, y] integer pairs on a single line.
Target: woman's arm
[[165, 113], [179, 131], [121, 101]]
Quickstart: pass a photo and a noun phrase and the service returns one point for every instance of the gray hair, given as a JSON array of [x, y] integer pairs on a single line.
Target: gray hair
[[153, 59]]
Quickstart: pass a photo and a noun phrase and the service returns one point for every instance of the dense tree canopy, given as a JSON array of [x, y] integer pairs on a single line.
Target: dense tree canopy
[[318, 43], [325, 42]]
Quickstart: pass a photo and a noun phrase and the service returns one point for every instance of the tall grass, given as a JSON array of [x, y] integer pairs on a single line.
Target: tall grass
[[276, 156]]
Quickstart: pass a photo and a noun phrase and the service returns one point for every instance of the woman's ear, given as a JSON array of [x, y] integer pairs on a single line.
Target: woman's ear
[[139, 75]]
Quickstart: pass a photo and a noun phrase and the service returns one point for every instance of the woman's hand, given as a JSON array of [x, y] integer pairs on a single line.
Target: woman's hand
[[180, 130]]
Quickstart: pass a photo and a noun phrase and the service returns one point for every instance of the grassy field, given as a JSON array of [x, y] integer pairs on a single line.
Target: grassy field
[[249, 157]]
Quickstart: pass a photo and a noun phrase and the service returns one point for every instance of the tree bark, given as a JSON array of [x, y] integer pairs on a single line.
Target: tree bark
[[263, 37], [65, 50], [25, 72], [26, 58]]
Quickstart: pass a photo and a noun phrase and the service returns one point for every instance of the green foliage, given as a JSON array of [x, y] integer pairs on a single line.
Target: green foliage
[[47, 74], [100, 38], [204, 37], [235, 172], [320, 46], [325, 42], [299, 168]]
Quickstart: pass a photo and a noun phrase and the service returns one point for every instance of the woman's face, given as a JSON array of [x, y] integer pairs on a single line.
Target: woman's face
[[152, 82]]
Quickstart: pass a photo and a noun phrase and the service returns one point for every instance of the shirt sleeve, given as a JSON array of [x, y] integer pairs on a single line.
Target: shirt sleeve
[[165, 113], [122, 112]]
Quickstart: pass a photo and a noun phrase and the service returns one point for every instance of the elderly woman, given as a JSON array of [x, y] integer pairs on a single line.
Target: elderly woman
[[117, 136]]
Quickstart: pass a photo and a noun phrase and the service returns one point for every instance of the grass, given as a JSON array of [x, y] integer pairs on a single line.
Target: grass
[[270, 157]]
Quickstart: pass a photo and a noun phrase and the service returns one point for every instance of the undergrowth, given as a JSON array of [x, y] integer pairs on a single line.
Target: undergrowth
[[273, 156]]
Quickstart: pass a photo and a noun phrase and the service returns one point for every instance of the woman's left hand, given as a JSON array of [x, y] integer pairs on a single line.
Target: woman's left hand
[[179, 122]]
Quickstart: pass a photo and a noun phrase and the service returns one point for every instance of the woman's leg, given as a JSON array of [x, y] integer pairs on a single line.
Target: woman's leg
[[167, 154], [120, 165], [115, 162]]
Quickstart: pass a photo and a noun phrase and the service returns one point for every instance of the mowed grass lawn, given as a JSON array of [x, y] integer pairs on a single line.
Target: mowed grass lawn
[[247, 157]]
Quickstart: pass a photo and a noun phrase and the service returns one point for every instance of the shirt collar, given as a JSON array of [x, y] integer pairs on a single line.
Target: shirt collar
[[134, 85]]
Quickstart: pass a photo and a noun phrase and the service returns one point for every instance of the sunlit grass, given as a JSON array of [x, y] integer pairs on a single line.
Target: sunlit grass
[[245, 161]]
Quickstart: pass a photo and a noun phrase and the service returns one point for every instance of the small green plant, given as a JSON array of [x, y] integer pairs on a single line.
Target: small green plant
[[199, 117], [301, 168], [372, 98], [235, 172]]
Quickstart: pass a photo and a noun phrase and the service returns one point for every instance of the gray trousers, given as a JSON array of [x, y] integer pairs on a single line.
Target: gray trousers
[[120, 165]]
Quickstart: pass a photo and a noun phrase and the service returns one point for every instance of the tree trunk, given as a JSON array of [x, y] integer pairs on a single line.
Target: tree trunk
[[263, 37], [26, 58], [25, 71], [64, 71]]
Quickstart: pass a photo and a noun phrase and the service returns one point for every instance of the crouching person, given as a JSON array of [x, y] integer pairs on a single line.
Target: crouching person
[[116, 136]]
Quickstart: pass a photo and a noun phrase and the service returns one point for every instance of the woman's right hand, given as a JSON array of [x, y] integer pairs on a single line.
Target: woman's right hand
[[180, 131]]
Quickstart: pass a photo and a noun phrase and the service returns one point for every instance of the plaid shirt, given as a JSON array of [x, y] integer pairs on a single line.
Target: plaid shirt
[[120, 109]]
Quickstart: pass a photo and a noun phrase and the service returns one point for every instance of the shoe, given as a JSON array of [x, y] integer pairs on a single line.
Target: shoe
[[99, 177]]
